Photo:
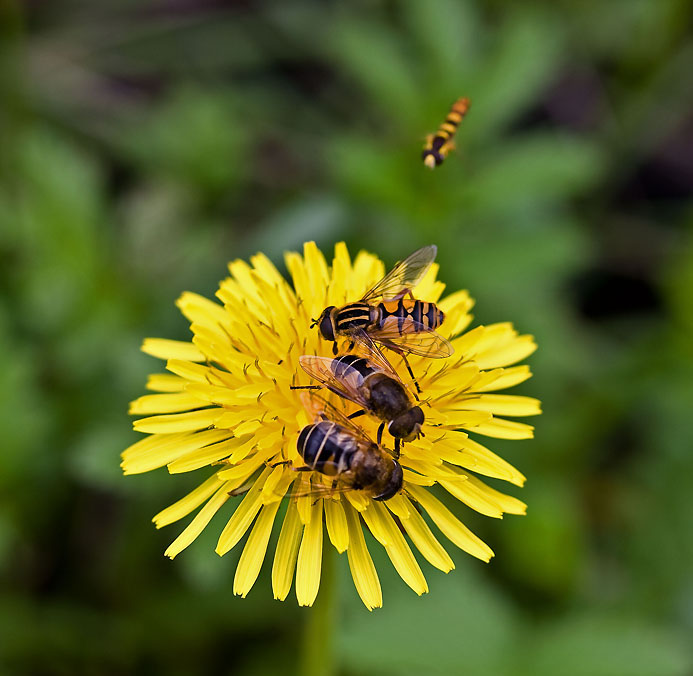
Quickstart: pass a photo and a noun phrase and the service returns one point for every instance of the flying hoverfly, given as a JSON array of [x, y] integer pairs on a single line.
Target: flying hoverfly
[[338, 448], [438, 145], [404, 325], [374, 386]]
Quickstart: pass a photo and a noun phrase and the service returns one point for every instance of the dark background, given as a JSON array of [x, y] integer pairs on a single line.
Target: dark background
[[145, 144]]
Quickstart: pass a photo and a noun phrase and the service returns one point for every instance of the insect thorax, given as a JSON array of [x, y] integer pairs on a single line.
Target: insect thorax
[[355, 316], [370, 469], [386, 396]]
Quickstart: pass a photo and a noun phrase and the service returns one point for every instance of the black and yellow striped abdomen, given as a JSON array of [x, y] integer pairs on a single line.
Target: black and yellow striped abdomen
[[412, 316], [327, 447], [438, 145]]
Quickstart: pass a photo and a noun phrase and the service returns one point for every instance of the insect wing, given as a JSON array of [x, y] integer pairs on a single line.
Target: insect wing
[[321, 491], [375, 355], [346, 385], [418, 340], [323, 410], [405, 275]]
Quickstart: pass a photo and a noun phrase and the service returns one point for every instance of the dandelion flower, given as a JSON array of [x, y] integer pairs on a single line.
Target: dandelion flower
[[225, 406]]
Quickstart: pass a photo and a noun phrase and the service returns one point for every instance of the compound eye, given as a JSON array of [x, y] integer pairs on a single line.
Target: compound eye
[[326, 326]]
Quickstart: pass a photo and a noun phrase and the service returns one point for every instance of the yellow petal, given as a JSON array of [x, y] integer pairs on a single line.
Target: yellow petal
[[507, 504], [197, 525], [399, 506], [202, 457], [421, 535], [498, 404], [465, 345], [310, 558], [376, 524], [455, 531], [433, 471], [416, 479], [282, 486], [295, 266], [244, 469], [337, 527], [318, 277], [241, 395], [456, 307], [503, 378], [274, 483], [285, 555], [200, 310], [429, 289], [358, 500], [341, 272], [171, 349], [453, 419], [178, 422], [471, 496], [505, 429], [362, 569], [368, 269], [397, 549], [304, 503], [268, 272], [186, 505], [160, 449], [195, 373], [241, 519], [507, 353], [164, 403], [165, 382], [478, 458], [254, 551]]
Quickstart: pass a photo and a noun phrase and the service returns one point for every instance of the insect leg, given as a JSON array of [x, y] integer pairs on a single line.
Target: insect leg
[[305, 387], [334, 348], [398, 443], [356, 414], [380, 433], [305, 468], [402, 294], [411, 373]]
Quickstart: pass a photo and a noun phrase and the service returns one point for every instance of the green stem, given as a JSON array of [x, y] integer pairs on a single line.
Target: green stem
[[317, 657]]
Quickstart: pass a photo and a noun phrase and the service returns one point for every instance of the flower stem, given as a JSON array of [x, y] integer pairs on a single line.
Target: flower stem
[[317, 657]]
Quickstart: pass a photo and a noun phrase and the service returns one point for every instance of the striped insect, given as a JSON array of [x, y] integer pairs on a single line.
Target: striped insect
[[438, 145], [403, 325], [374, 386], [336, 447]]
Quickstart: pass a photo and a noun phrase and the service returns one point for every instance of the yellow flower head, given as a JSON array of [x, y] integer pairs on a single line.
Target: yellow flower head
[[226, 404]]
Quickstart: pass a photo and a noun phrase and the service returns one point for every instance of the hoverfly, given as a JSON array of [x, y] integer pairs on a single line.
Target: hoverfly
[[374, 386], [438, 145], [336, 447], [404, 325]]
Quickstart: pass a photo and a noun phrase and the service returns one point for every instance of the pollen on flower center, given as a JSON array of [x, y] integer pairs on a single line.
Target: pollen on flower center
[[225, 406]]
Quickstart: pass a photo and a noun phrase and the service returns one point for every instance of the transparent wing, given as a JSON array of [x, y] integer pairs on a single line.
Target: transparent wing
[[375, 355], [322, 491], [417, 340], [321, 409], [405, 275], [325, 371]]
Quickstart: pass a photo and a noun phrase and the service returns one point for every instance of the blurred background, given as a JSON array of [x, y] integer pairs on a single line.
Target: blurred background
[[143, 145]]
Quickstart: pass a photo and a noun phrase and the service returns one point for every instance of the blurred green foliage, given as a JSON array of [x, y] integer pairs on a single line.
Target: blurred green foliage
[[144, 146]]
